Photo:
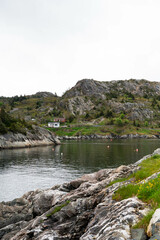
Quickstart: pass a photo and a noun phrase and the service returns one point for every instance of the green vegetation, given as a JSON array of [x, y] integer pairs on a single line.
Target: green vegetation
[[104, 129], [143, 223], [117, 111], [57, 209], [8, 123], [148, 167], [117, 180], [148, 192]]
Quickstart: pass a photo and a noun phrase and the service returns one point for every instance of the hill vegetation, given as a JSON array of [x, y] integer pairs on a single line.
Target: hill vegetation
[[11, 124], [130, 105]]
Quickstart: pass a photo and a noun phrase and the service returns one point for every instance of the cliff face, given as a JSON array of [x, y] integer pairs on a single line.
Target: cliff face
[[37, 137], [81, 209]]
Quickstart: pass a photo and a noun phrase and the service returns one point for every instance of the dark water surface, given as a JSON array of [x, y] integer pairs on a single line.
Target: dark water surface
[[22, 170]]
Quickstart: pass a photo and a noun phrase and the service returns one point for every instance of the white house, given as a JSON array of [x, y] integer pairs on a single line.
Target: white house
[[54, 124]]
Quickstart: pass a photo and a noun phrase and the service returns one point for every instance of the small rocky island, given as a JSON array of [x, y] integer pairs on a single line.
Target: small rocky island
[[82, 209]]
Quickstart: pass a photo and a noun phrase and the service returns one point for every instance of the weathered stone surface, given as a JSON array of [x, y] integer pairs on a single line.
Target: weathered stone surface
[[43, 201], [138, 234], [81, 209], [9, 231], [15, 211], [91, 87], [78, 104], [114, 219], [155, 237]]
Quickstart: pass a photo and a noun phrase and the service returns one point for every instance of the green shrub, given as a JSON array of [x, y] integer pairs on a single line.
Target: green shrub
[[126, 121], [3, 128], [122, 116], [146, 124], [8, 123], [119, 122]]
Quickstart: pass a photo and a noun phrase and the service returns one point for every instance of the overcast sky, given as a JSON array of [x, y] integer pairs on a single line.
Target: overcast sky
[[48, 45]]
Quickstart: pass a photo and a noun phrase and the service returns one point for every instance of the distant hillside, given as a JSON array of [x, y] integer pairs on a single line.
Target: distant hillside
[[125, 101], [42, 95], [90, 87]]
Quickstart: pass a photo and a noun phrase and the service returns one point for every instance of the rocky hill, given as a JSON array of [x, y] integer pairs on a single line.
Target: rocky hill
[[90, 87], [136, 101]]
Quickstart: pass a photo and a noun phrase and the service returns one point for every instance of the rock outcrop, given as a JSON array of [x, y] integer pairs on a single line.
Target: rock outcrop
[[90, 87], [135, 98], [81, 209], [36, 137]]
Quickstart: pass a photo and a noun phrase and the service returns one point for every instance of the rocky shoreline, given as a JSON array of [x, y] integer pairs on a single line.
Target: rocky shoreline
[[81, 209], [112, 136], [36, 137]]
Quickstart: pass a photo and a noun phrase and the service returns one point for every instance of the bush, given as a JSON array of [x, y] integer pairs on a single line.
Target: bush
[[122, 116], [126, 121], [146, 124], [119, 122], [3, 128]]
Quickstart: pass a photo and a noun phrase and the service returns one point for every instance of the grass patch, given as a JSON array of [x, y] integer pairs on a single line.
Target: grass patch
[[116, 181], [125, 192], [57, 209], [148, 167], [143, 223], [148, 192], [103, 129]]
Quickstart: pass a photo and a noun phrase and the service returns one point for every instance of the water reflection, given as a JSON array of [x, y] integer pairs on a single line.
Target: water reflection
[[26, 169]]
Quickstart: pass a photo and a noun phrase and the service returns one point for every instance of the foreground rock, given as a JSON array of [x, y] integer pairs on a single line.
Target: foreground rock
[[36, 137], [81, 209]]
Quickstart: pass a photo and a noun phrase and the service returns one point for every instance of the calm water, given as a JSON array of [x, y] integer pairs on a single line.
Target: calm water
[[22, 170]]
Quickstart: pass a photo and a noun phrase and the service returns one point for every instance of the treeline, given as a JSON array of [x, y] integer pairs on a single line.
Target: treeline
[[10, 124]]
